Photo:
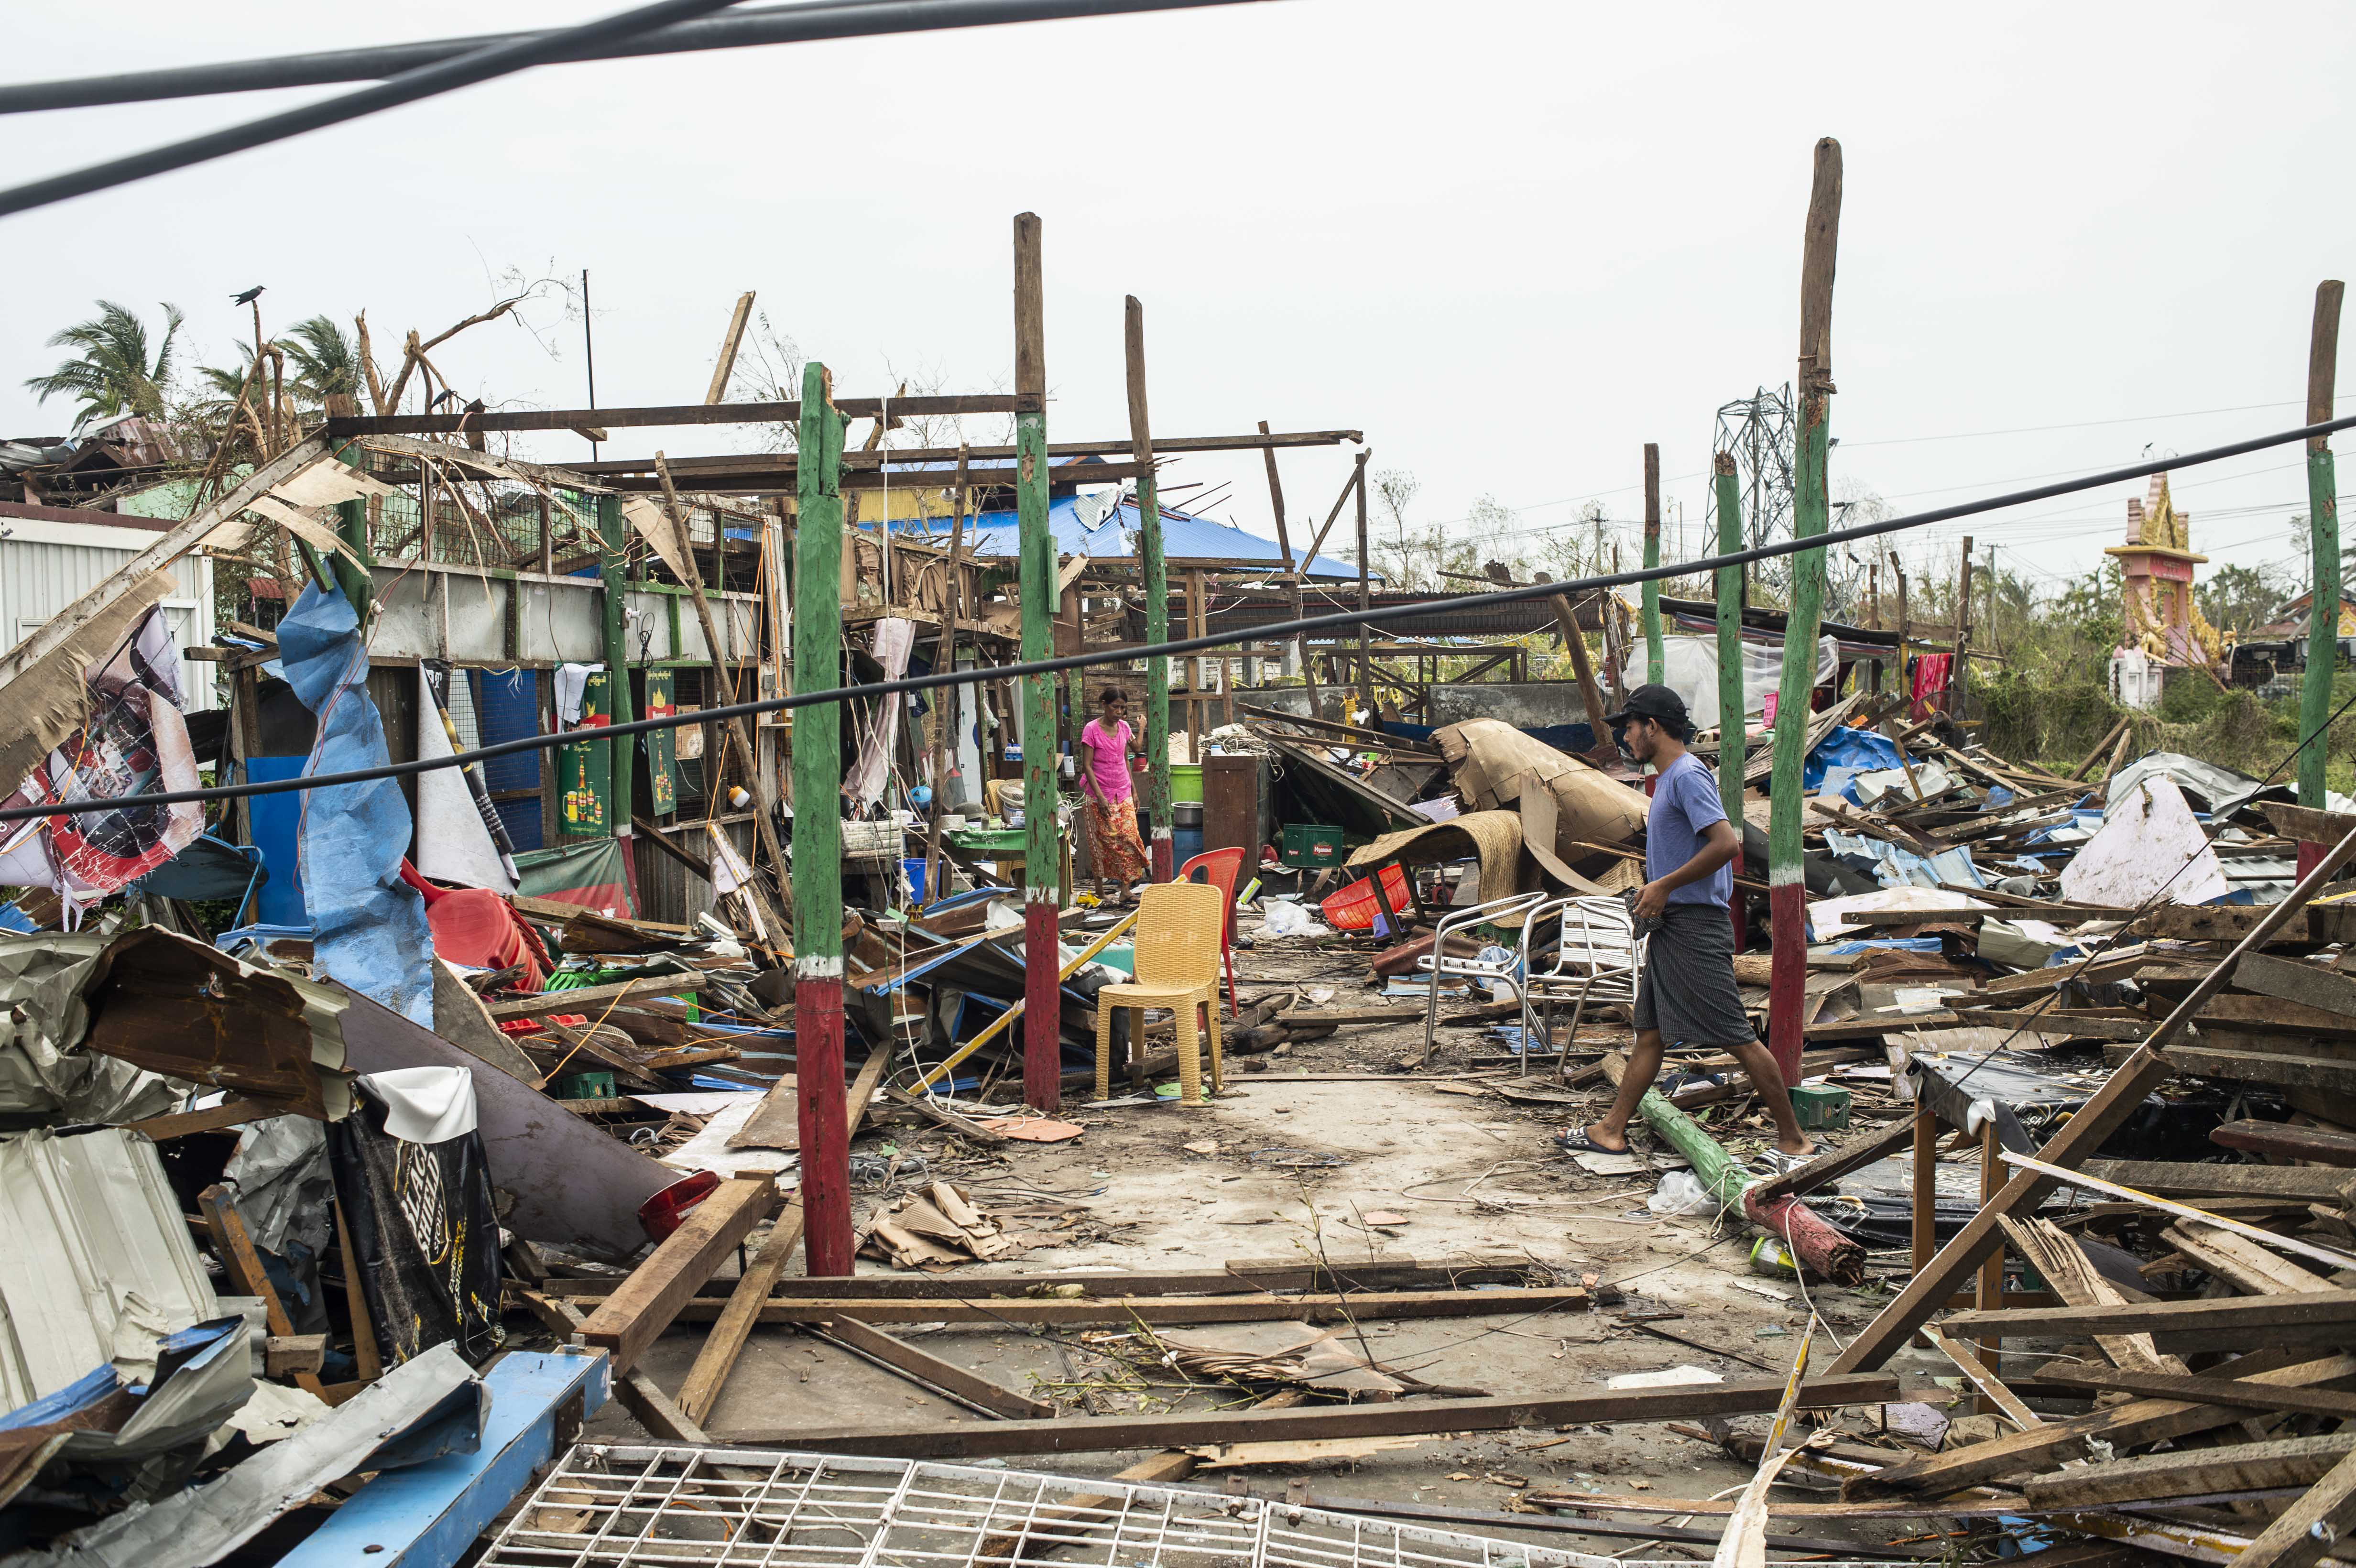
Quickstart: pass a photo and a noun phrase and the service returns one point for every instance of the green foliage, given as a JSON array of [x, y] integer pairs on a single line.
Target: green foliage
[[114, 371], [327, 360], [2237, 597]]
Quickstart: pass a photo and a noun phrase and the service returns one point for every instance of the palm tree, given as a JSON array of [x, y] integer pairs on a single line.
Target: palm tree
[[115, 374], [326, 361]]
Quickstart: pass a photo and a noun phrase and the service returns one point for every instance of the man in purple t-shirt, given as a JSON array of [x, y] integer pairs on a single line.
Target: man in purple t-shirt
[[1687, 994]]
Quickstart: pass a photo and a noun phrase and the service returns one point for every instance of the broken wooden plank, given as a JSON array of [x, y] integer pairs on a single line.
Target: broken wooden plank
[[2189, 1178], [627, 1321], [2285, 1140], [941, 1115], [2193, 1473], [2226, 1323], [242, 1264], [973, 1439], [2239, 1393], [2310, 1526], [233, 1111], [2244, 1263], [1987, 1383], [1242, 1276], [931, 1370], [2063, 1265], [636, 1389], [1833, 1164], [2064, 1021], [1150, 1309]]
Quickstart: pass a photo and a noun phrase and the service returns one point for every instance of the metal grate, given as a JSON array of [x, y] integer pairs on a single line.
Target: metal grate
[[608, 1507]]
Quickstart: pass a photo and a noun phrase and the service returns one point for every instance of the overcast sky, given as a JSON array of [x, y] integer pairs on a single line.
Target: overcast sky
[[1511, 242]]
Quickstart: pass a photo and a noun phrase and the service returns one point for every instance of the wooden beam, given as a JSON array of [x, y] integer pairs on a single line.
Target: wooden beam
[[1103, 1434], [632, 1385], [1990, 1386], [931, 1370], [725, 366], [2195, 1178], [1367, 1305], [627, 1321], [2193, 1473], [2296, 980], [715, 469], [734, 1325], [1242, 1276], [2309, 1527], [233, 1111], [2238, 1392], [1833, 1164], [2284, 1140], [242, 1264], [2225, 1323]]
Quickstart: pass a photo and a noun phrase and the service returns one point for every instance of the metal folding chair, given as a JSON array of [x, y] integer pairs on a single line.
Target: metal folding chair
[[1441, 964], [1597, 959]]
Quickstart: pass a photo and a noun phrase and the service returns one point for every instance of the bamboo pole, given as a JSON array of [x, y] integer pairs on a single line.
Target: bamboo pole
[[2323, 539], [1655, 656], [1157, 596], [1732, 730]]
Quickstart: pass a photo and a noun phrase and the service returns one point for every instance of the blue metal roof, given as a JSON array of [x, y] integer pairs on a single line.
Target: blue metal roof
[[1184, 537]]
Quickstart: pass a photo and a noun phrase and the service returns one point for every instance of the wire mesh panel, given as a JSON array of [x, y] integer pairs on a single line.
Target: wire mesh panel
[[626, 1506]]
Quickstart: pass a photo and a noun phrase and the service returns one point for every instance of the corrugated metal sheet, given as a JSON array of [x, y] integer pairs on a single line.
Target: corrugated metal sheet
[[95, 1242], [46, 566]]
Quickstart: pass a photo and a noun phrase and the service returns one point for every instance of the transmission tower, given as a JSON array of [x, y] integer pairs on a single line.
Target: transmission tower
[[1761, 431]]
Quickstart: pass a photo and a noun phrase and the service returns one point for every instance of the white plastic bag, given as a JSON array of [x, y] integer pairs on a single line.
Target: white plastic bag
[[1282, 917], [1681, 1192]]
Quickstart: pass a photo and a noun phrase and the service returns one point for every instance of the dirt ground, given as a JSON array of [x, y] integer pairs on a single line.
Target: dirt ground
[[1463, 1172]]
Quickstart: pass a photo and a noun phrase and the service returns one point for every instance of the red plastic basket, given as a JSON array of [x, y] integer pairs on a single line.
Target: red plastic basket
[[1353, 908]]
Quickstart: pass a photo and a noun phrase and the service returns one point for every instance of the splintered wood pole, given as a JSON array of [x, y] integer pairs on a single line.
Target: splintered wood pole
[[613, 556], [1958, 670], [1655, 658], [2323, 536], [1786, 892], [1732, 732], [1293, 572], [1157, 593], [818, 829], [1044, 848], [950, 697], [725, 366]]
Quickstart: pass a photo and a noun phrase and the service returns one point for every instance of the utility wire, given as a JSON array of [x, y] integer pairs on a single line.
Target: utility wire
[[498, 58], [1338, 622], [750, 26]]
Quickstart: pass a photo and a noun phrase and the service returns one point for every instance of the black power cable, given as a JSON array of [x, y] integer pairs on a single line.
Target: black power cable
[[1333, 623], [464, 70], [750, 26]]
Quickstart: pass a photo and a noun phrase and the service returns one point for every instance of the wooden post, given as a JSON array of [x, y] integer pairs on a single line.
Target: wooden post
[[1044, 848], [1293, 572], [1787, 895], [1197, 615], [2323, 542], [1905, 676], [1733, 733], [726, 365], [944, 657], [1958, 680], [1366, 597], [1926, 1185], [1655, 658], [818, 829], [612, 542], [1157, 593], [1987, 1288]]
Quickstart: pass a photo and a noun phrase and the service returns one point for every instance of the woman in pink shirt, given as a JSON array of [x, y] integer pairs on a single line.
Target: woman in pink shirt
[[1113, 841]]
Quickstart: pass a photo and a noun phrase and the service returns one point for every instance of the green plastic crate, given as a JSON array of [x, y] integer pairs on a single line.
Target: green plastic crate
[[1821, 1107], [584, 1086], [1311, 846]]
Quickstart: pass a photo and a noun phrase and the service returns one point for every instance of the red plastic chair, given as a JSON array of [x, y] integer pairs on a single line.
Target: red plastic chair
[[1220, 868]]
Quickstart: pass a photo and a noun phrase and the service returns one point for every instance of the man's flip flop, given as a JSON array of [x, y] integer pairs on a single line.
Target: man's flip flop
[[1575, 1140]]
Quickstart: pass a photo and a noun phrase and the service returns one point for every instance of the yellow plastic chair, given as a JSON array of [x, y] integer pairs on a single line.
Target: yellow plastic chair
[[1177, 949]]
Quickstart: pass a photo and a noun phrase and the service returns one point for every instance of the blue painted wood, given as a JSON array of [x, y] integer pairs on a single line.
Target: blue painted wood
[[428, 1515]]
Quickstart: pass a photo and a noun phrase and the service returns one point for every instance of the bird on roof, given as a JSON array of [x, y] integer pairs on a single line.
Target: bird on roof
[[250, 296]]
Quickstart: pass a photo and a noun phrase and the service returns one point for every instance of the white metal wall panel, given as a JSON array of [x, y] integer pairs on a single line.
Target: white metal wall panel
[[46, 566]]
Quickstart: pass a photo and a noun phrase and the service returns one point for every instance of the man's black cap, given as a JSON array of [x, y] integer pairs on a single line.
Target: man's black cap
[[1651, 702]]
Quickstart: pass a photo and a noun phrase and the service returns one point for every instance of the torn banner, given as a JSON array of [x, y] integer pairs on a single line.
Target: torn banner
[[461, 838], [132, 742]]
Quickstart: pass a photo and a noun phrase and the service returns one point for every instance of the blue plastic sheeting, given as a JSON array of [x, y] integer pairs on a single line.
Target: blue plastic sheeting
[[1184, 537], [507, 708], [369, 925], [1897, 868], [16, 919], [276, 819], [1887, 945], [1860, 750]]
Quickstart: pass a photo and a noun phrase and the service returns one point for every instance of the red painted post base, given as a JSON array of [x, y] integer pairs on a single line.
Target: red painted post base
[[1043, 1010], [1164, 856], [1736, 910], [825, 1127], [2310, 856], [1787, 943]]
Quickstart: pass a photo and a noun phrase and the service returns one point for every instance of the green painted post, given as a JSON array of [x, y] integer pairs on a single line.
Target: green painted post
[[818, 830], [1786, 892], [2323, 535], [1157, 597], [1731, 731], [1655, 658], [1042, 858], [613, 557]]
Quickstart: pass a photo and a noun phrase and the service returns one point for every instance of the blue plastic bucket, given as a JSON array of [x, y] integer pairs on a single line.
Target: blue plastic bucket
[[914, 870]]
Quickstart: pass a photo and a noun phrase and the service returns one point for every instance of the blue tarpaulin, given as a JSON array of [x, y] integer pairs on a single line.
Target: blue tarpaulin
[[1184, 537], [1859, 751], [367, 924]]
